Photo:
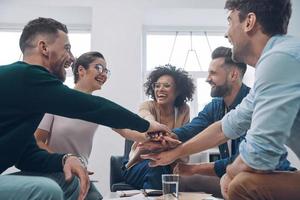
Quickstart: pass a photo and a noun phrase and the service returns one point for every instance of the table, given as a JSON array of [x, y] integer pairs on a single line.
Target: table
[[182, 196]]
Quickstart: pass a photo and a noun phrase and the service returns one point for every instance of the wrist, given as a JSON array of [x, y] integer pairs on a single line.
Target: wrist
[[68, 155]]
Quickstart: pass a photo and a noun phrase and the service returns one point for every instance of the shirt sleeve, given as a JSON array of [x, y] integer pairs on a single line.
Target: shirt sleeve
[[236, 122], [39, 160], [46, 122], [46, 94], [277, 102], [146, 111], [198, 124]]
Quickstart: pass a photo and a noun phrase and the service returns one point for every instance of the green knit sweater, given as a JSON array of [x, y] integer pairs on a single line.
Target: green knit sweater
[[29, 91]]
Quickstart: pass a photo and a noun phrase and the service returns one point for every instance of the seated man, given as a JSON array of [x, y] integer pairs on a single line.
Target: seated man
[[33, 87], [225, 77], [270, 113]]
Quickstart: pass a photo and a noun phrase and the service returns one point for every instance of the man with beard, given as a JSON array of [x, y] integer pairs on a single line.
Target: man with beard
[[32, 87], [227, 89], [270, 113], [225, 77]]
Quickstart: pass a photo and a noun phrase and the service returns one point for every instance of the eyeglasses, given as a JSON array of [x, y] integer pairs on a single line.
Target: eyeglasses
[[102, 69], [157, 85]]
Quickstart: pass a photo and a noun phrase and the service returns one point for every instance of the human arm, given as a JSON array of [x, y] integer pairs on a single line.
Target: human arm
[[198, 143], [43, 132], [51, 96], [188, 169], [276, 106], [41, 137], [132, 135], [198, 124], [39, 160]]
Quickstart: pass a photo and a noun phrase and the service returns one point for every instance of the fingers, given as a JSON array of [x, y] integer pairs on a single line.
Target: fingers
[[171, 141], [150, 156], [84, 183], [74, 166], [68, 172]]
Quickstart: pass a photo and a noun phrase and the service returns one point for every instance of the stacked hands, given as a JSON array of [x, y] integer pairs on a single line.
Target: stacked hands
[[159, 141], [157, 144]]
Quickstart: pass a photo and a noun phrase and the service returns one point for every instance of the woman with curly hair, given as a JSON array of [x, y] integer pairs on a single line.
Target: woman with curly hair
[[170, 88]]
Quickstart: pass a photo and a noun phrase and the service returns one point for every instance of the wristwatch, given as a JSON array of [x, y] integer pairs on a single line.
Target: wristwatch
[[66, 156]]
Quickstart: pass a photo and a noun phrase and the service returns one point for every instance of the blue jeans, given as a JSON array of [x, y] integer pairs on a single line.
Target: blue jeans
[[143, 176], [31, 185], [93, 193], [15, 187]]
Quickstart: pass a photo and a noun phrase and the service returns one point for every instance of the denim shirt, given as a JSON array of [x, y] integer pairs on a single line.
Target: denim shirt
[[212, 112], [271, 112]]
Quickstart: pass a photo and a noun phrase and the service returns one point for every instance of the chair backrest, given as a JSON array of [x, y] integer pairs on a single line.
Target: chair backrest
[[127, 148], [116, 162]]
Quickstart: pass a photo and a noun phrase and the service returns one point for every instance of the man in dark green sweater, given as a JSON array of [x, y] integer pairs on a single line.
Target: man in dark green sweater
[[34, 87]]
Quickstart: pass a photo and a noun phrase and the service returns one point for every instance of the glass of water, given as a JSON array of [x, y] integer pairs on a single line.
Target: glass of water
[[170, 184]]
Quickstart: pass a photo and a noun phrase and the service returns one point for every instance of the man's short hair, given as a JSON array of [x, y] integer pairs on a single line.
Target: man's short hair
[[272, 15], [226, 53], [39, 26]]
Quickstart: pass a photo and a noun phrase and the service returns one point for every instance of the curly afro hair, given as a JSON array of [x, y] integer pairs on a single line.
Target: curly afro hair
[[184, 83]]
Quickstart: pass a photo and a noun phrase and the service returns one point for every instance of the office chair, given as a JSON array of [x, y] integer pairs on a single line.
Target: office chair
[[116, 163]]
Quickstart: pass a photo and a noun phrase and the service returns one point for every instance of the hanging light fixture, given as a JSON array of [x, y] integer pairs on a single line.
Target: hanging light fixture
[[191, 54], [173, 46]]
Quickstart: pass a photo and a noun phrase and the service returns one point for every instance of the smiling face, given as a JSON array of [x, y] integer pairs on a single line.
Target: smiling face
[[237, 36], [165, 90], [218, 78], [59, 55], [94, 76]]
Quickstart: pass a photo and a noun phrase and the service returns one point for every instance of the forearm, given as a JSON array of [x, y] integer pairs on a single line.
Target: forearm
[[209, 138], [44, 146], [131, 135], [205, 169]]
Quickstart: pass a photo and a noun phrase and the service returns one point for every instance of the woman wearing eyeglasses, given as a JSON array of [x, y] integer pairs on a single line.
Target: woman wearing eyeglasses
[[170, 89], [65, 135]]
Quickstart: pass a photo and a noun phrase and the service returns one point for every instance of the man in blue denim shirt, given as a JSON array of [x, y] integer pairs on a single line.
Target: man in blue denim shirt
[[225, 77], [271, 111]]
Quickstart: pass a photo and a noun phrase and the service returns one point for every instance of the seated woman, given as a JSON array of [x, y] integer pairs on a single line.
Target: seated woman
[[66, 135], [170, 88]]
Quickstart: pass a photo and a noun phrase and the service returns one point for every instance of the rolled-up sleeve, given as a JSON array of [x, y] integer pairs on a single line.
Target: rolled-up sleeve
[[237, 121], [276, 104]]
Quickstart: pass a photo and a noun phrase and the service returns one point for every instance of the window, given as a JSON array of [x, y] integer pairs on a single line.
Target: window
[[10, 51], [190, 50]]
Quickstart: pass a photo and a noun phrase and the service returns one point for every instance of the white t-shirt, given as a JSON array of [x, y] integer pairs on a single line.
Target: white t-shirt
[[67, 135]]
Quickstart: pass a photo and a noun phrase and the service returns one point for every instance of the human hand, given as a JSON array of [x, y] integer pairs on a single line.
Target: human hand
[[184, 169], [74, 166], [224, 182], [159, 143], [155, 127], [160, 159]]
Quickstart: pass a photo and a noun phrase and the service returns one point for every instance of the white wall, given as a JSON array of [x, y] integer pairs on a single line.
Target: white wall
[[117, 27]]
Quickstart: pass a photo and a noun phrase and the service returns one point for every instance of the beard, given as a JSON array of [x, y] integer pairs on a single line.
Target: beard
[[60, 74], [221, 91]]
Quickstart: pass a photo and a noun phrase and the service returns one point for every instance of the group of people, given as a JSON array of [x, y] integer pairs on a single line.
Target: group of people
[[39, 135]]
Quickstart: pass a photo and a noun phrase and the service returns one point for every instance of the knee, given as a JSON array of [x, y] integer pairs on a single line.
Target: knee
[[46, 188], [241, 186]]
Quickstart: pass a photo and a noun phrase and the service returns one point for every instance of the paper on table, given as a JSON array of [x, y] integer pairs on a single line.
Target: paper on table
[[134, 197], [128, 193]]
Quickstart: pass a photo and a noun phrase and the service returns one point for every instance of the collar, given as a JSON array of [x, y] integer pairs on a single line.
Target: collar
[[244, 90]]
